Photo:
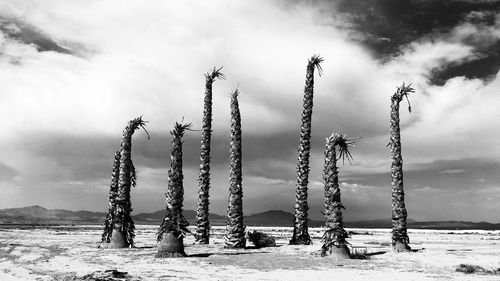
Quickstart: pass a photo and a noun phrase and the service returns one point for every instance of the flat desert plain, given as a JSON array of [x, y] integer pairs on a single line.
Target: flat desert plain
[[72, 253]]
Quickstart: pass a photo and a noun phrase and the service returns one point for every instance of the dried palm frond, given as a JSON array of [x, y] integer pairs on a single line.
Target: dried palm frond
[[316, 61], [138, 122], [404, 91], [171, 223], [344, 143], [215, 74], [180, 129]]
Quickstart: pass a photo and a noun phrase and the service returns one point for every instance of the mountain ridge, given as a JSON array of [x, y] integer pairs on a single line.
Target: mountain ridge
[[39, 215]]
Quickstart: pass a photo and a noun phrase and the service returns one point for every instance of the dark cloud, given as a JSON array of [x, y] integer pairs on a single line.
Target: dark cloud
[[434, 189], [457, 175], [91, 156], [77, 158], [485, 66], [387, 27], [26, 33]]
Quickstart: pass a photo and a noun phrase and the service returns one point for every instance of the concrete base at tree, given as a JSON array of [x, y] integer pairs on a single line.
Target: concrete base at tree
[[171, 246], [401, 247], [118, 240], [301, 240], [341, 252]]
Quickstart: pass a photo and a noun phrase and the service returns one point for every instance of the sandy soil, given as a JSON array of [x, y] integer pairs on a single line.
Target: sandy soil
[[67, 253]]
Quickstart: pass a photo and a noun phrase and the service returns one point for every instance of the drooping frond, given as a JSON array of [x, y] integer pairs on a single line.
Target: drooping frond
[[404, 91], [215, 74], [138, 122], [172, 223], [344, 143], [333, 237], [316, 61]]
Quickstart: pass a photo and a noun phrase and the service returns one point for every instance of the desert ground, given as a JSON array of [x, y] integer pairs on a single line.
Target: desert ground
[[73, 252]]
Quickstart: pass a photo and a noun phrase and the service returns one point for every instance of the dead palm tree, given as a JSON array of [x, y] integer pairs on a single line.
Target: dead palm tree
[[113, 192], [235, 231], [300, 230], [334, 242], [400, 238], [123, 230], [173, 228], [203, 224]]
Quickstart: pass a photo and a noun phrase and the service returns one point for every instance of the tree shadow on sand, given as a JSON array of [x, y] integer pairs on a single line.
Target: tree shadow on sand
[[145, 247], [206, 255]]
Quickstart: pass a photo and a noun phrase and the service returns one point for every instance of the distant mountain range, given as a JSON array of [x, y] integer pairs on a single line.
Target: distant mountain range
[[41, 215]]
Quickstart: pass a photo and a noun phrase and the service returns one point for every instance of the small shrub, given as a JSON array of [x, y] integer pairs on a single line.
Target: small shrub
[[260, 239], [470, 268], [108, 275]]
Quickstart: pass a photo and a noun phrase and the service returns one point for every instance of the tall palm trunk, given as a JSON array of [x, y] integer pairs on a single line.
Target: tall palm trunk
[[300, 230], [235, 231], [203, 224], [113, 192], [400, 238], [172, 230], [123, 231], [334, 242]]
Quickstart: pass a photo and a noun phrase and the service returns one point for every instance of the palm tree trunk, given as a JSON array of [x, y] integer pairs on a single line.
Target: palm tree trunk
[[300, 229], [123, 232], [113, 191], [202, 222], [400, 239], [334, 242], [174, 226], [235, 231]]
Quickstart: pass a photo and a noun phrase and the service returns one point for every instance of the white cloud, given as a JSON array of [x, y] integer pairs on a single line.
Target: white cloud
[[150, 59]]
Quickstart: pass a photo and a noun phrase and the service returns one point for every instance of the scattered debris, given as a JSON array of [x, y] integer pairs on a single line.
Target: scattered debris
[[108, 275], [359, 253]]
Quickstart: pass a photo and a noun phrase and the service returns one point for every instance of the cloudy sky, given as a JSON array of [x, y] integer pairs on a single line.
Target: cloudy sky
[[72, 73]]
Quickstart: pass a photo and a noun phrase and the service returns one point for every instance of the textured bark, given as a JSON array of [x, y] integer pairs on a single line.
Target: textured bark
[[334, 242], [400, 239], [202, 221], [300, 229], [174, 225], [235, 231], [171, 246], [121, 223], [113, 192]]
